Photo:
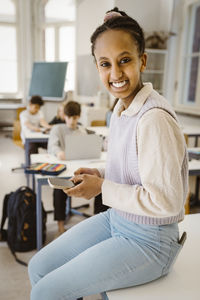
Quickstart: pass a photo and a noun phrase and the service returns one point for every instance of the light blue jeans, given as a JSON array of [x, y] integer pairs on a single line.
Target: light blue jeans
[[99, 254]]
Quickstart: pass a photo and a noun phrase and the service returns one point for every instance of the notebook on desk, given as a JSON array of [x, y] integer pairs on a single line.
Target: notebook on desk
[[83, 146]]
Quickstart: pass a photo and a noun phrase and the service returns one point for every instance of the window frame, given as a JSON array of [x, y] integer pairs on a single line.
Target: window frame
[[57, 25], [14, 24], [184, 53]]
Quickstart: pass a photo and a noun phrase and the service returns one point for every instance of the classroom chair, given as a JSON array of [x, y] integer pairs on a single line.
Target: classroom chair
[[98, 123], [17, 128], [75, 210], [16, 134], [187, 204]]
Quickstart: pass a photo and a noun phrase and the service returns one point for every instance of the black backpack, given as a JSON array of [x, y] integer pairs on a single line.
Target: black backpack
[[20, 209]]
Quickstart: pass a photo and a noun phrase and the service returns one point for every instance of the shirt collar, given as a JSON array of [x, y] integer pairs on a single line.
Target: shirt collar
[[137, 102]]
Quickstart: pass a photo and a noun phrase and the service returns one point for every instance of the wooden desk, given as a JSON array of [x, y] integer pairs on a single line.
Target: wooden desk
[[33, 137], [69, 172], [183, 281]]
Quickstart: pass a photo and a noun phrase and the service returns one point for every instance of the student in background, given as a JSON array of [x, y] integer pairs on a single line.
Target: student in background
[[60, 117], [56, 146], [33, 119], [144, 183]]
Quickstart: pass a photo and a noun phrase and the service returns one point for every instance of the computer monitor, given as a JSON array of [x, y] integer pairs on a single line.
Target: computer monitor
[[48, 80]]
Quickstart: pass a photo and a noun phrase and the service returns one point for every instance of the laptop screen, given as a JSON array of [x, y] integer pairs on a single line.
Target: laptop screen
[[83, 146]]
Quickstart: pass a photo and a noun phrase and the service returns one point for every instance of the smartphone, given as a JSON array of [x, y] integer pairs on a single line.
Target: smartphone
[[60, 183]]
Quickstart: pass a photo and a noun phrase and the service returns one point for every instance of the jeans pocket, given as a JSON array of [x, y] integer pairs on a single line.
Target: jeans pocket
[[175, 249]]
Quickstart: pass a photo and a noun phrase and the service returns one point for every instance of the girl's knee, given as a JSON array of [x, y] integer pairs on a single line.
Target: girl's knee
[[34, 270], [31, 271], [46, 289], [38, 292]]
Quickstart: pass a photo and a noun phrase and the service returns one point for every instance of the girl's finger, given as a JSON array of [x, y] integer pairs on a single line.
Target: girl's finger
[[78, 172], [77, 178]]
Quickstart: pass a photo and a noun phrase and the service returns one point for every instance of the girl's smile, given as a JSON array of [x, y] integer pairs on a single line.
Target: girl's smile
[[119, 64], [119, 84]]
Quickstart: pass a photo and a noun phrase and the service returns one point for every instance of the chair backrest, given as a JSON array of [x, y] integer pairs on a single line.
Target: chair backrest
[[18, 111], [186, 138], [17, 128], [98, 123], [187, 204], [16, 134]]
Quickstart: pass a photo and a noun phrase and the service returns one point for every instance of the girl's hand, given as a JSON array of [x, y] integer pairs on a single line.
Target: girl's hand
[[90, 171], [88, 186]]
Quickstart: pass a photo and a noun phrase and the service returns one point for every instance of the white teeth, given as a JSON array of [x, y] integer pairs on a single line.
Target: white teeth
[[119, 84]]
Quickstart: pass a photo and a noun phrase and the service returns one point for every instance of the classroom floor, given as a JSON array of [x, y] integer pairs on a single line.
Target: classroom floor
[[14, 282]]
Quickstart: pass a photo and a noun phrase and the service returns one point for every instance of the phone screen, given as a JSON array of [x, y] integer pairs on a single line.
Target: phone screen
[[60, 183]]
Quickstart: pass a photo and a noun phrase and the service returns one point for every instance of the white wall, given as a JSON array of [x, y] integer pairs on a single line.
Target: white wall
[[90, 15], [152, 15]]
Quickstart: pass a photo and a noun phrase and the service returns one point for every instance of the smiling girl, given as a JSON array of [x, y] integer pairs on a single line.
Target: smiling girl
[[144, 183]]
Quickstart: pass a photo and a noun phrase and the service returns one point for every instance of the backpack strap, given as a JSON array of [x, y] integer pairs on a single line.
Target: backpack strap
[[16, 258], [3, 232], [5, 211]]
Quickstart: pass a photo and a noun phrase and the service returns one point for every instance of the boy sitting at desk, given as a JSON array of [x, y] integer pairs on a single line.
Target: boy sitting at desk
[[33, 119], [56, 146]]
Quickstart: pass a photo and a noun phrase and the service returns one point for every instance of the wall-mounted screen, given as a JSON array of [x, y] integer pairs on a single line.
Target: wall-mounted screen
[[48, 80]]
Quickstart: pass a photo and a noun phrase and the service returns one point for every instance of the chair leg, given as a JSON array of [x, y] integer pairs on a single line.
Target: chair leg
[[81, 206], [70, 210], [76, 212]]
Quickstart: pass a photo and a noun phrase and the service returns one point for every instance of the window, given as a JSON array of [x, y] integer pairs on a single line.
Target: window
[[191, 75], [60, 36], [8, 49]]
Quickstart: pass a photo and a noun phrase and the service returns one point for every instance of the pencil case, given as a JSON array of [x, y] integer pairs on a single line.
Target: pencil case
[[45, 169]]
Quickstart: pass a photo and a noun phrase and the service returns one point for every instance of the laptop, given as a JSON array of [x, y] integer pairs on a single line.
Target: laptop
[[83, 146]]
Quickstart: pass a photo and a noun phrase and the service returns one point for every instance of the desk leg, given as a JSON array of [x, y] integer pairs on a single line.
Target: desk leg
[[33, 182], [39, 216], [196, 141], [27, 157], [27, 160], [68, 206], [197, 190]]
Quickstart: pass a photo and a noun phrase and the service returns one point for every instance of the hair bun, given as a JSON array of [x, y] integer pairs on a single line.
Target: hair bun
[[111, 14]]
